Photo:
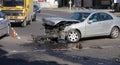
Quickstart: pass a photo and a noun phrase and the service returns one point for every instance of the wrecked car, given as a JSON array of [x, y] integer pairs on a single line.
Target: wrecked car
[[82, 24]]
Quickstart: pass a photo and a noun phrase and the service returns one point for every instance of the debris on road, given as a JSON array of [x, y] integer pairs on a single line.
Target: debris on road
[[55, 44]]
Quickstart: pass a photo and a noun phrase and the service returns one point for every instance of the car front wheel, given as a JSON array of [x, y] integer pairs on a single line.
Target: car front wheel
[[73, 36], [114, 32]]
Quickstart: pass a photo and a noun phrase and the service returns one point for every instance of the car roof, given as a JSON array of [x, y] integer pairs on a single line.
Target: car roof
[[90, 11]]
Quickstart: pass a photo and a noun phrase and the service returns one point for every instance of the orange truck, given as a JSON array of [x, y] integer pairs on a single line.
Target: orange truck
[[18, 11]]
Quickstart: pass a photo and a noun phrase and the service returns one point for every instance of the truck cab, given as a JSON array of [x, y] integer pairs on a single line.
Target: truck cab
[[18, 11]]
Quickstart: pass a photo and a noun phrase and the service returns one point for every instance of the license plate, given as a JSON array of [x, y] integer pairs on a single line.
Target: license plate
[[12, 20]]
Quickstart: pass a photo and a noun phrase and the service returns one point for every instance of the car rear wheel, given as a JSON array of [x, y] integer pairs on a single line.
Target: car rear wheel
[[114, 32], [73, 36]]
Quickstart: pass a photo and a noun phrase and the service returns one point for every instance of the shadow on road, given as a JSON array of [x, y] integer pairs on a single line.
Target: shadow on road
[[8, 61], [84, 60], [2, 52], [4, 60], [95, 38]]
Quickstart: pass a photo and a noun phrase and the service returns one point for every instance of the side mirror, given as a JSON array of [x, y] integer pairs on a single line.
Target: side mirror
[[90, 21]]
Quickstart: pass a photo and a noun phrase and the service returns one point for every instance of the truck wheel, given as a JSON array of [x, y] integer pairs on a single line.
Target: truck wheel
[[73, 36], [24, 24], [30, 22], [34, 18]]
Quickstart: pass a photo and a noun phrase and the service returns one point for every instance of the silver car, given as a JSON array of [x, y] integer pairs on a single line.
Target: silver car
[[4, 25], [81, 24]]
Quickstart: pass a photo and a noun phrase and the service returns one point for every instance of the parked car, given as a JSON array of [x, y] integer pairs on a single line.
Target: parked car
[[81, 24], [4, 25]]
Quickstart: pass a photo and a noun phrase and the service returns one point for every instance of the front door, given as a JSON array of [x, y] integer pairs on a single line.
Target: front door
[[93, 26]]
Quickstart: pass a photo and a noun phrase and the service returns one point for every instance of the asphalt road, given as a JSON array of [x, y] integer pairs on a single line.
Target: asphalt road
[[95, 51]]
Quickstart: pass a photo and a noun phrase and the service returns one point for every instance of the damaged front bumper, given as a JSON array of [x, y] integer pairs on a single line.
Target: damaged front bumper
[[54, 33]]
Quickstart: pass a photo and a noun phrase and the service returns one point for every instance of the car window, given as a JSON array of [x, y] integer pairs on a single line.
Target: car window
[[105, 16], [75, 16], [79, 16], [95, 17]]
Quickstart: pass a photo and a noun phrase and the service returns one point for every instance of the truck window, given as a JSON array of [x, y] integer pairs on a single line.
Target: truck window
[[13, 3]]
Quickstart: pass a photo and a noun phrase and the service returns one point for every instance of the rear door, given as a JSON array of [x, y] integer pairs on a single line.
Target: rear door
[[107, 21]]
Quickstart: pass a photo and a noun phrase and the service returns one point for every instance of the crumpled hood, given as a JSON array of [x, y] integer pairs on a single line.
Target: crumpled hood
[[56, 20]]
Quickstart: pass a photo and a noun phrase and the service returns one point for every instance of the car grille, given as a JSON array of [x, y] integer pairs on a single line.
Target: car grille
[[12, 12]]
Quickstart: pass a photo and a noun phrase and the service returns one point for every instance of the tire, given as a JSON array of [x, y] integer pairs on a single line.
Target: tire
[[73, 36], [30, 22], [34, 18], [114, 33], [24, 24]]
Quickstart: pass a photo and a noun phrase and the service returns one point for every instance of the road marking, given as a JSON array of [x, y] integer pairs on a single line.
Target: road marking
[[24, 51], [16, 51], [106, 47]]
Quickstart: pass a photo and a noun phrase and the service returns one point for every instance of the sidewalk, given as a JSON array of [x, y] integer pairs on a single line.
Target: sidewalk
[[65, 9]]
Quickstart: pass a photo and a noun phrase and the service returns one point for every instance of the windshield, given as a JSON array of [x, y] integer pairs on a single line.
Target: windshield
[[79, 16], [13, 3]]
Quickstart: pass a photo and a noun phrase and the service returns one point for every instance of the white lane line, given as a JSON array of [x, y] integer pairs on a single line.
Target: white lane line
[[24, 51], [106, 47], [16, 51]]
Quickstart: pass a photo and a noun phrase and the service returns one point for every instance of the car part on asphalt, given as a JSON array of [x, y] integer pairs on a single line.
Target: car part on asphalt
[[55, 44]]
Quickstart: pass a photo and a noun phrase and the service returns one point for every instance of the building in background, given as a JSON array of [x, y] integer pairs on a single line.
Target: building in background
[[97, 4], [47, 3], [93, 3], [86, 3]]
